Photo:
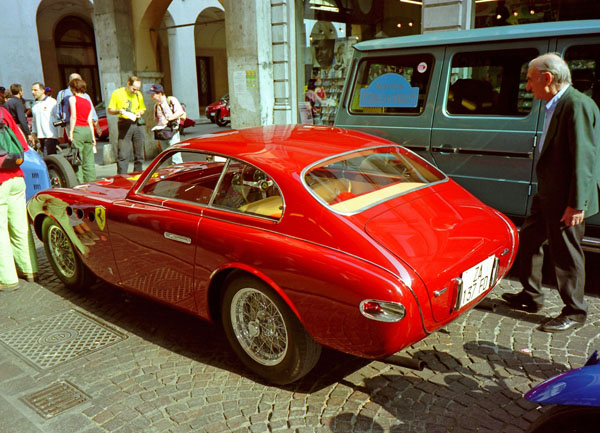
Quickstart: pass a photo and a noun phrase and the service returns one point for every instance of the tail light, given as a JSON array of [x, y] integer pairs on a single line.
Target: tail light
[[382, 311]]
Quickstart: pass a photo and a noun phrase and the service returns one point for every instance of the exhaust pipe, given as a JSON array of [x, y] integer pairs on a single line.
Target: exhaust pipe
[[402, 361]]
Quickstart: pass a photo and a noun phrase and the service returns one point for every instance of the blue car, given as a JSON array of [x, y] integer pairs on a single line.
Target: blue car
[[43, 173]]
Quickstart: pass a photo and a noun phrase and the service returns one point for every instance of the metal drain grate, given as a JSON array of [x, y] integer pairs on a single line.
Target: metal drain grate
[[56, 339], [55, 399]]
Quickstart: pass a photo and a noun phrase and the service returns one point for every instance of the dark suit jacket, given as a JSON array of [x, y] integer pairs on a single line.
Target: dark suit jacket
[[16, 108], [568, 169]]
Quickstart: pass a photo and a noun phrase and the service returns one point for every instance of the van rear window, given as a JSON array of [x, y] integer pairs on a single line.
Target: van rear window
[[392, 85]]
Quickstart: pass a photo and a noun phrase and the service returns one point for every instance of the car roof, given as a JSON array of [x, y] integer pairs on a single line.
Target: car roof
[[522, 31], [284, 147]]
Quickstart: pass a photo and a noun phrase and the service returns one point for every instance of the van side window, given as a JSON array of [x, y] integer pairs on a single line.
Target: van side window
[[490, 83], [584, 62], [392, 85]]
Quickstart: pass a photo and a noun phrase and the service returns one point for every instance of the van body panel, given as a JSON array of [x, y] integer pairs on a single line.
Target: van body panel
[[479, 125], [490, 155]]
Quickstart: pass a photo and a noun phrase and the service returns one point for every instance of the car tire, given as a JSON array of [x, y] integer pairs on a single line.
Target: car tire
[[63, 258], [572, 419], [219, 119], [60, 172], [290, 352]]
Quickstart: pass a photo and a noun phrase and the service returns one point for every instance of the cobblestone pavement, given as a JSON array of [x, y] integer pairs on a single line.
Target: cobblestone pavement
[[169, 372]]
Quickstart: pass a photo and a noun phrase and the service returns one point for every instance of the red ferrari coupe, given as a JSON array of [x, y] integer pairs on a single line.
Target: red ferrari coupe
[[291, 237]]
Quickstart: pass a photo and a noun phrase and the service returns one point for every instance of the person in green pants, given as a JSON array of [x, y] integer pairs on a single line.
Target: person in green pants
[[81, 131]]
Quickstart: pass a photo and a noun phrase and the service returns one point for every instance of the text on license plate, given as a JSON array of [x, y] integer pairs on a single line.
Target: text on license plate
[[476, 280]]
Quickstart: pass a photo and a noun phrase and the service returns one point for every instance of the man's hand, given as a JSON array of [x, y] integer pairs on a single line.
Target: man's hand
[[572, 217]]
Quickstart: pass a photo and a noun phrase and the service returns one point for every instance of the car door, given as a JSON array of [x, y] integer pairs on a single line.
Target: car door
[[381, 100], [155, 229], [484, 129], [582, 54]]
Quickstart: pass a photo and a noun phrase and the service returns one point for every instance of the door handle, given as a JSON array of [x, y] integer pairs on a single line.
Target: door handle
[[445, 148], [178, 238]]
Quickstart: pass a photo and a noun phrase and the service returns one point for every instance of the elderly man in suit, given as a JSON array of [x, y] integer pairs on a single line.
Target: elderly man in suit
[[568, 173]]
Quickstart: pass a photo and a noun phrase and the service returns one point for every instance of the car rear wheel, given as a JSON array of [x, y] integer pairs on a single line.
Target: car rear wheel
[[567, 419], [65, 262], [60, 172], [265, 333]]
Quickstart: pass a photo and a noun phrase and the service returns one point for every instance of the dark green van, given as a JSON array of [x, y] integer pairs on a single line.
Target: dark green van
[[458, 99]]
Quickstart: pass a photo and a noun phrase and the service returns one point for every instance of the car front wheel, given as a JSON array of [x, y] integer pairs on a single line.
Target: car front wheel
[[265, 333], [65, 262], [219, 118]]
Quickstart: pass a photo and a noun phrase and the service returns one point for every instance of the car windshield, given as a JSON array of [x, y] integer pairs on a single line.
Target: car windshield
[[355, 181]]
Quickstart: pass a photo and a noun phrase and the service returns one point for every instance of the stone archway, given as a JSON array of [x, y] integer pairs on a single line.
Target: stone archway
[[50, 13]]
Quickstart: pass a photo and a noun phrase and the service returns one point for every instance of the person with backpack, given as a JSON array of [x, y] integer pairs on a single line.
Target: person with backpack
[[63, 112], [17, 249], [168, 114], [81, 130]]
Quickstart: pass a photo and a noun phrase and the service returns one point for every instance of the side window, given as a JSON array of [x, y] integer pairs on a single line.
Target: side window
[[584, 62], [244, 188], [392, 85], [490, 83], [194, 180]]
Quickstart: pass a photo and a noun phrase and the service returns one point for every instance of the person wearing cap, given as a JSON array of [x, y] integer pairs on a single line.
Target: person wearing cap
[[48, 91], [43, 117], [127, 103], [167, 113]]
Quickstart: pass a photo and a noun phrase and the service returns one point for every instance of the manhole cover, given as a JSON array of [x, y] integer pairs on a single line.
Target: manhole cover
[[55, 399], [53, 340]]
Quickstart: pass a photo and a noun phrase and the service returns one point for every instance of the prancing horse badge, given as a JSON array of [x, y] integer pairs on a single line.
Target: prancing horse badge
[[100, 214]]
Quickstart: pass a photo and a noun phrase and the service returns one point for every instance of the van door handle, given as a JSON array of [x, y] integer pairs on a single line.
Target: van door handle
[[445, 148]]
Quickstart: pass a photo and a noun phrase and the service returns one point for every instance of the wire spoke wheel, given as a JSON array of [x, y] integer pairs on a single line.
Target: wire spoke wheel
[[259, 326], [61, 251], [264, 332]]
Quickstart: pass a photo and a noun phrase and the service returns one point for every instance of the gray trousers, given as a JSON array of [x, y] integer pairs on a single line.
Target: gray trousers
[[130, 132]]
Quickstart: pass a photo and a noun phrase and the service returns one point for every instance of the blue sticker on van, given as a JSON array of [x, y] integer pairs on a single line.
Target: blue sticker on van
[[389, 90]]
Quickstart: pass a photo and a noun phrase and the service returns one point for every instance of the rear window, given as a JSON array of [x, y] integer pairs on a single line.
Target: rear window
[[392, 85], [353, 182]]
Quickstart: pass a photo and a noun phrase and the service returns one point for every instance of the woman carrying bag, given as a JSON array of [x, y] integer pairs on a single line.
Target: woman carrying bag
[[81, 131], [168, 112]]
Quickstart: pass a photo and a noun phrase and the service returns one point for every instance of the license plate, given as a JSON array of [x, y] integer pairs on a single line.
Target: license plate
[[476, 280]]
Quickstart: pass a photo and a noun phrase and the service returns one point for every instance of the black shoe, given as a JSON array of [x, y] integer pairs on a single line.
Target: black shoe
[[560, 323], [522, 301]]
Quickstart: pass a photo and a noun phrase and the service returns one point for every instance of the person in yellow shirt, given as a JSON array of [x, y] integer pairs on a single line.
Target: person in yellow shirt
[[128, 103]]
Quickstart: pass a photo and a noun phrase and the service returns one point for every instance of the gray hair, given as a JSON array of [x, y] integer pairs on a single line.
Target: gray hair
[[553, 63]]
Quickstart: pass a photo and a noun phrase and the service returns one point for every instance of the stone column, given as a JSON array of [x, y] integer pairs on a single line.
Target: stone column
[[112, 27], [446, 15], [249, 62], [182, 56]]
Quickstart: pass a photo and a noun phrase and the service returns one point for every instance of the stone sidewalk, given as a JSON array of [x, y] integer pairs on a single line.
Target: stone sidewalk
[[102, 360]]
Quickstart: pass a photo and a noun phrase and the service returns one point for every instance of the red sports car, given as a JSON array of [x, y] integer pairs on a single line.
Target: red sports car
[[218, 111], [291, 237]]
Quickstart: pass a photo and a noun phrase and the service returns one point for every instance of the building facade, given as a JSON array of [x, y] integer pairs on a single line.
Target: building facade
[[264, 53]]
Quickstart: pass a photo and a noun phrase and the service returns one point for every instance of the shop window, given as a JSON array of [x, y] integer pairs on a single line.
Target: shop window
[[490, 83], [392, 85], [584, 63], [246, 189]]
